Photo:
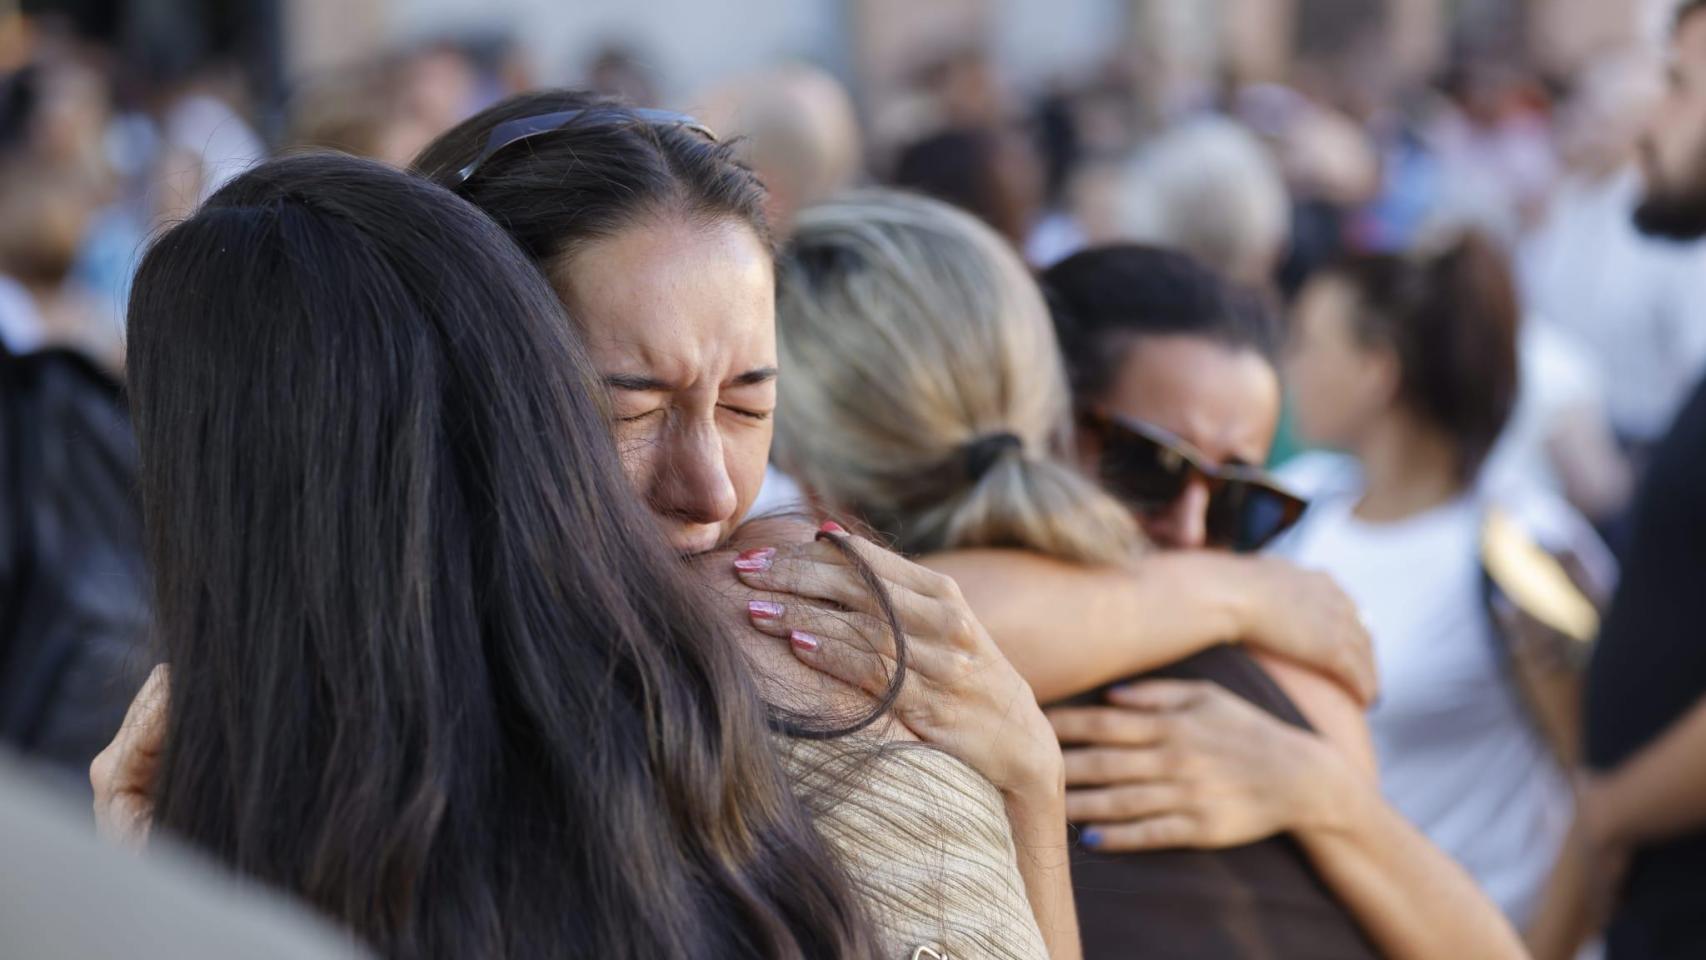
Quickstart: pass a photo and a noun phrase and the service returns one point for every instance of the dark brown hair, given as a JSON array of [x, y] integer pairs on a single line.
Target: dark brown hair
[[1106, 299], [977, 170], [598, 173], [1451, 318], [433, 668]]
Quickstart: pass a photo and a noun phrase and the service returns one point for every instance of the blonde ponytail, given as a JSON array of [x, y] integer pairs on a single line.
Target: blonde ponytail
[[922, 387]]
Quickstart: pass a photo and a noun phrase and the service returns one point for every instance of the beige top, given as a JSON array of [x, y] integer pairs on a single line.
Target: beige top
[[926, 840]]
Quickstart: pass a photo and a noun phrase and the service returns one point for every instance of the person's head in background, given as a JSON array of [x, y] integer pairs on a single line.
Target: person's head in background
[[1673, 149], [619, 72], [440, 84], [364, 111], [1210, 188], [925, 394], [1600, 124], [432, 667], [1409, 359], [796, 127], [991, 172], [653, 235], [1154, 338]]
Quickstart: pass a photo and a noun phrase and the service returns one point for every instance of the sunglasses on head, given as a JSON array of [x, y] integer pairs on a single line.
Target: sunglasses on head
[[1149, 469], [511, 132]]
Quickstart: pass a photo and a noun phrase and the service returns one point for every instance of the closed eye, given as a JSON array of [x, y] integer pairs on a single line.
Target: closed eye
[[636, 418], [749, 414]]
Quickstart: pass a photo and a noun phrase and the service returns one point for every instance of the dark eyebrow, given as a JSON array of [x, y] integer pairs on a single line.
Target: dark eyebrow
[[752, 378], [636, 383]]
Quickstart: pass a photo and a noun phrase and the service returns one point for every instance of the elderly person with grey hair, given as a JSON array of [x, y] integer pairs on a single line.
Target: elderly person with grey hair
[[1209, 188]]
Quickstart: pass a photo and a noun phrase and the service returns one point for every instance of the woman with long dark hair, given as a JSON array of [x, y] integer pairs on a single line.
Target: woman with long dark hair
[[433, 668], [654, 236]]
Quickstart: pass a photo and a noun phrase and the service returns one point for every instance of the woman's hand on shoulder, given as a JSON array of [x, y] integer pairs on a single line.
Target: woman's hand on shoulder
[[781, 677], [959, 692], [1305, 616]]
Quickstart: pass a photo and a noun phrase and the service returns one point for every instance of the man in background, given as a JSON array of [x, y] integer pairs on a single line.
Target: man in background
[[1646, 710]]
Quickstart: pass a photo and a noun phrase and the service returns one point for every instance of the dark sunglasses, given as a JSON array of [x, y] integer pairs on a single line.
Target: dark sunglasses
[[511, 132], [1149, 469]]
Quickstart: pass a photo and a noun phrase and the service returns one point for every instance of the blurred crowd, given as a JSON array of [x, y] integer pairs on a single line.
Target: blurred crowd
[[1486, 228]]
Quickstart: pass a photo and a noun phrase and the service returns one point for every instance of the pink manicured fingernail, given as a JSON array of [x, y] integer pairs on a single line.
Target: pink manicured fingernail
[[764, 609], [755, 560], [830, 526], [803, 640]]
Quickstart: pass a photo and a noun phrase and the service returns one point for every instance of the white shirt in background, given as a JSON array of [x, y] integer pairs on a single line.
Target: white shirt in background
[[1637, 304], [1458, 756], [779, 494], [1558, 381], [207, 128]]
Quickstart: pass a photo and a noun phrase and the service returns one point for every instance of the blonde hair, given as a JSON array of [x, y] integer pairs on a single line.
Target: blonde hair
[[923, 388]]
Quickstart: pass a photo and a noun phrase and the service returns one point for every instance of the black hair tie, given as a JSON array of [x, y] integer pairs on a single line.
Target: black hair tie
[[981, 453]]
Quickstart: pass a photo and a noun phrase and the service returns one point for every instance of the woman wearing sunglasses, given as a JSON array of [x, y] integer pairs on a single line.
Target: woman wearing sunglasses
[[653, 238], [928, 400]]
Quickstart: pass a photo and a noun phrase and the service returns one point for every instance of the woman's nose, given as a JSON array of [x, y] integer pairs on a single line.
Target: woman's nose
[[693, 483]]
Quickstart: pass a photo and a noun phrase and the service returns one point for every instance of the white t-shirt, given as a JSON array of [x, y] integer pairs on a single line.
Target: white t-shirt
[[1558, 381], [1633, 301], [1458, 756], [779, 494]]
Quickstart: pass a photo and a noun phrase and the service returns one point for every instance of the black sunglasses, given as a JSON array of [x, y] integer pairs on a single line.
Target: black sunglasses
[[511, 132], [1149, 469]]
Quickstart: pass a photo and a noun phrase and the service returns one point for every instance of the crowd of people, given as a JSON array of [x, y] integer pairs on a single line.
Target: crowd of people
[[493, 520]]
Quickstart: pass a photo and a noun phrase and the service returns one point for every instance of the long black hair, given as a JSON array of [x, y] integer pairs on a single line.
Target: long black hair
[[600, 168], [432, 667]]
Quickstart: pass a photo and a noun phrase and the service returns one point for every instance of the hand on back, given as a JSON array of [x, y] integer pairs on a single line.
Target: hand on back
[[960, 693]]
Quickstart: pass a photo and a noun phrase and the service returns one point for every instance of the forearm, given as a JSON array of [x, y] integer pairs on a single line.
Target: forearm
[[1039, 836], [1396, 883], [1069, 629], [1658, 793]]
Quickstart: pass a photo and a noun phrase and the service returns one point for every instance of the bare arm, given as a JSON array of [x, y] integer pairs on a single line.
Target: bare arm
[[1039, 835], [1393, 879], [1658, 793], [1070, 628]]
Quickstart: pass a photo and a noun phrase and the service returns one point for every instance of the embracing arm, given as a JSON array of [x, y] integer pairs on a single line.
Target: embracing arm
[[1394, 880], [1069, 628], [1658, 793]]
